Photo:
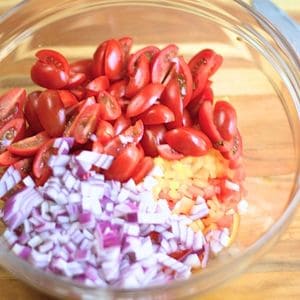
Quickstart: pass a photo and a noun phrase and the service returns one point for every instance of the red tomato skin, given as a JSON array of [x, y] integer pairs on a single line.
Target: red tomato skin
[[162, 63], [105, 132], [153, 136], [82, 66], [11, 104], [11, 132], [113, 63], [166, 152], [29, 146], [68, 99], [235, 151], [24, 166], [124, 164], [144, 166], [140, 78], [100, 83], [7, 159], [172, 99], [188, 141], [109, 107], [225, 119], [98, 60], [51, 113], [76, 80], [185, 80], [40, 161], [186, 119], [117, 89], [157, 114], [121, 124], [144, 99]]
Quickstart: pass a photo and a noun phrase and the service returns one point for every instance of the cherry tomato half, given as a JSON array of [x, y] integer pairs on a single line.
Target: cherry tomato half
[[124, 164], [12, 131], [144, 166], [114, 60], [98, 60], [11, 104], [24, 166], [51, 113], [29, 146], [118, 88], [51, 70], [110, 109], [166, 152], [68, 99], [100, 83], [188, 141], [144, 99], [7, 159], [157, 114], [105, 132], [121, 124], [82, 66]]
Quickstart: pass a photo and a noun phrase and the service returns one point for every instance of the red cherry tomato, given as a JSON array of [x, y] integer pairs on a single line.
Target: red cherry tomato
[[51, 113], [153, 136], [24, 166], [82, 66], [30, 111], [40, 162], [85, 123], [172, 99], [68, 99], [79, 93], [121, 124], [114, 60], [7, 159], [126, 44], [11, 132], [97, 147], [166, 152], [203, 65], [135, 132], [186, 119], [144, 99], [105, 132], [188, 141], [75, 80], [236, 149], [157, 114], [29, 146], [11, 104], [51, 70], [100, 83], [109, 107], [225, 119], [98, 60], [124, 164], [142, 169], [149, 52], [162, 63], [140, 78], [185, 81], [117, 89]]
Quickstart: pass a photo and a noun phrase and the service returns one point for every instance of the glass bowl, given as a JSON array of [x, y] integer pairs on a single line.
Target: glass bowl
[[260, 76]]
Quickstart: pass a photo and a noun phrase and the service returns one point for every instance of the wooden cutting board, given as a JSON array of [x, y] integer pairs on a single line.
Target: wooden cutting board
[[275, 276]]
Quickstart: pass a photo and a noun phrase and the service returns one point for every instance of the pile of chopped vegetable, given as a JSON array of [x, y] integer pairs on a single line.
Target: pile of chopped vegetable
[[122, 171]]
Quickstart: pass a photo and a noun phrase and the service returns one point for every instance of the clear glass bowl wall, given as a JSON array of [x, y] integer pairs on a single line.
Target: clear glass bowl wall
[[258, 77]]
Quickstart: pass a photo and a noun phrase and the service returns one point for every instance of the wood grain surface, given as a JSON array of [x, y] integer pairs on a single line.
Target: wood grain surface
[[274, 276]]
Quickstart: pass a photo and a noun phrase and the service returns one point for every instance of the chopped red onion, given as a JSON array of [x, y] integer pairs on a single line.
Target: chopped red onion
[[22, 251], [28, 181], [35, 241], [10, 236]]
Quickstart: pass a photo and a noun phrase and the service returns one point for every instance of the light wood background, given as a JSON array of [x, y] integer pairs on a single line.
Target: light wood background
[[275, 276]]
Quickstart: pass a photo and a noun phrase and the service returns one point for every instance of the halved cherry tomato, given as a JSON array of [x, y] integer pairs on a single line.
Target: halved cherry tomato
[[117, 89], [51, 113], [124, 164], [79, 93], [166, 152], [153, 136], [114, 60], [40, 162], [29, 146], [68, 99], [186, 119], [98, 60], [140, 78], [11, 104], [188, 141], [109, 107], [105, 132], [157, 114], [100, 83], [121, 124], [149, 52], [203, 65], [24, 166], [30, 111], [172, 99], [132, 134], [7, 159], [225, 119], [144, 99], [11, 132], [85, 123], [162, 63], [235, 150], [51, 70], [185, 81], [82, 66], [144, 166], [126, 44], [75, 80]]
